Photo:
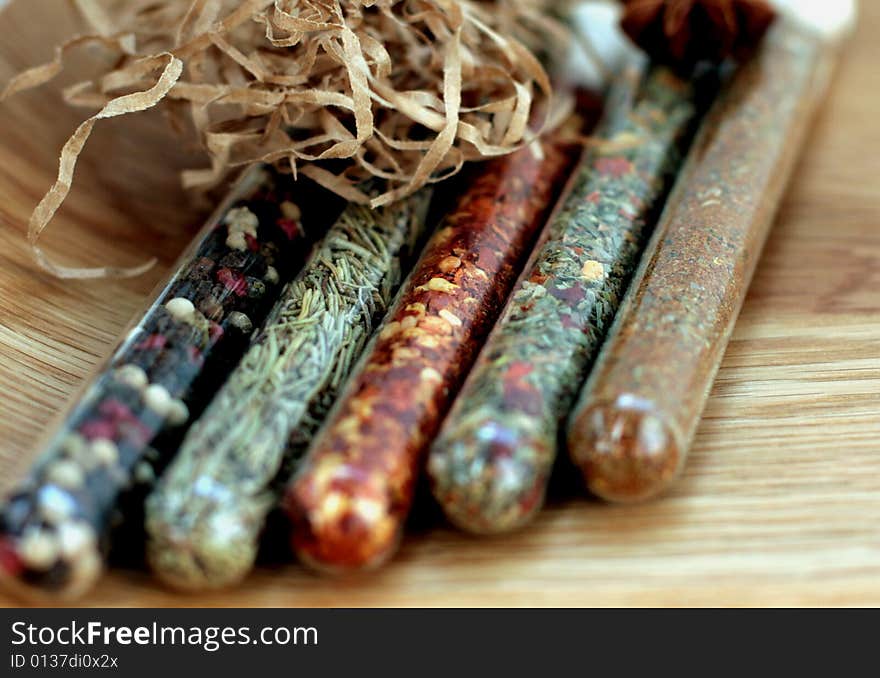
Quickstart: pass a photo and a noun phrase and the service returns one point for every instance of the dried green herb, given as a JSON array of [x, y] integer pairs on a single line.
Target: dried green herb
[[206, 515], [490, 464]]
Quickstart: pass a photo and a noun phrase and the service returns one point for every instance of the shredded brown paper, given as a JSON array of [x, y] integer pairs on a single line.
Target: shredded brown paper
[[340, 91]]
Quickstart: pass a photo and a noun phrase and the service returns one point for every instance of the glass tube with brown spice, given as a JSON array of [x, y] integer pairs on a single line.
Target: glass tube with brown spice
[[639, 411]]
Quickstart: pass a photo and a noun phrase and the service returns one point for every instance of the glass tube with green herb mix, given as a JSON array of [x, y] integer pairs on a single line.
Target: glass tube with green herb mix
[[490, 465]]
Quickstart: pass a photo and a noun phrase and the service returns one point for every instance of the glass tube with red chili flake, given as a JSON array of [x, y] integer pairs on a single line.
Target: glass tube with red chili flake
[[54, 526], [640, 409], [491, 463], [352, 494]]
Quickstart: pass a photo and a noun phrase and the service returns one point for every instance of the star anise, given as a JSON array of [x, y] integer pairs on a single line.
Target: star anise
[[684, 32]]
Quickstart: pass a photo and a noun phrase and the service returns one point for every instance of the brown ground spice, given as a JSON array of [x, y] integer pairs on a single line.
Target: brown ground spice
[[639, 411]]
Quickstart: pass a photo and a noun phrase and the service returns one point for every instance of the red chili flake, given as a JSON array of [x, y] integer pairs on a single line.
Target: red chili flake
[[484, 208], [615, 167], [154, 341], [291, 227], [434, 304], [234, 281], [252, 243], [98, 428], [486, 258], [519, 370], [538, 278], [384, 433]]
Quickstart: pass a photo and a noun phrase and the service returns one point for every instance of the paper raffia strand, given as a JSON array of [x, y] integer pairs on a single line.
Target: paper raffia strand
[[337, 90]]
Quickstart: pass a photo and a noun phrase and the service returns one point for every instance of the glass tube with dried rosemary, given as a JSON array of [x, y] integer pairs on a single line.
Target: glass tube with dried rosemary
[[638, 413], [491, 462], [206, 515], [54, 526], [349, 500]]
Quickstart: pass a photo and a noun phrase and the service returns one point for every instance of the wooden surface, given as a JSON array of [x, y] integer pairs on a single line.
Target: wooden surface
[[780, 504]]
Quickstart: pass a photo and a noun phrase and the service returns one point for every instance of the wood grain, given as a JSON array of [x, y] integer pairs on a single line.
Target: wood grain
[[780, 504]]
